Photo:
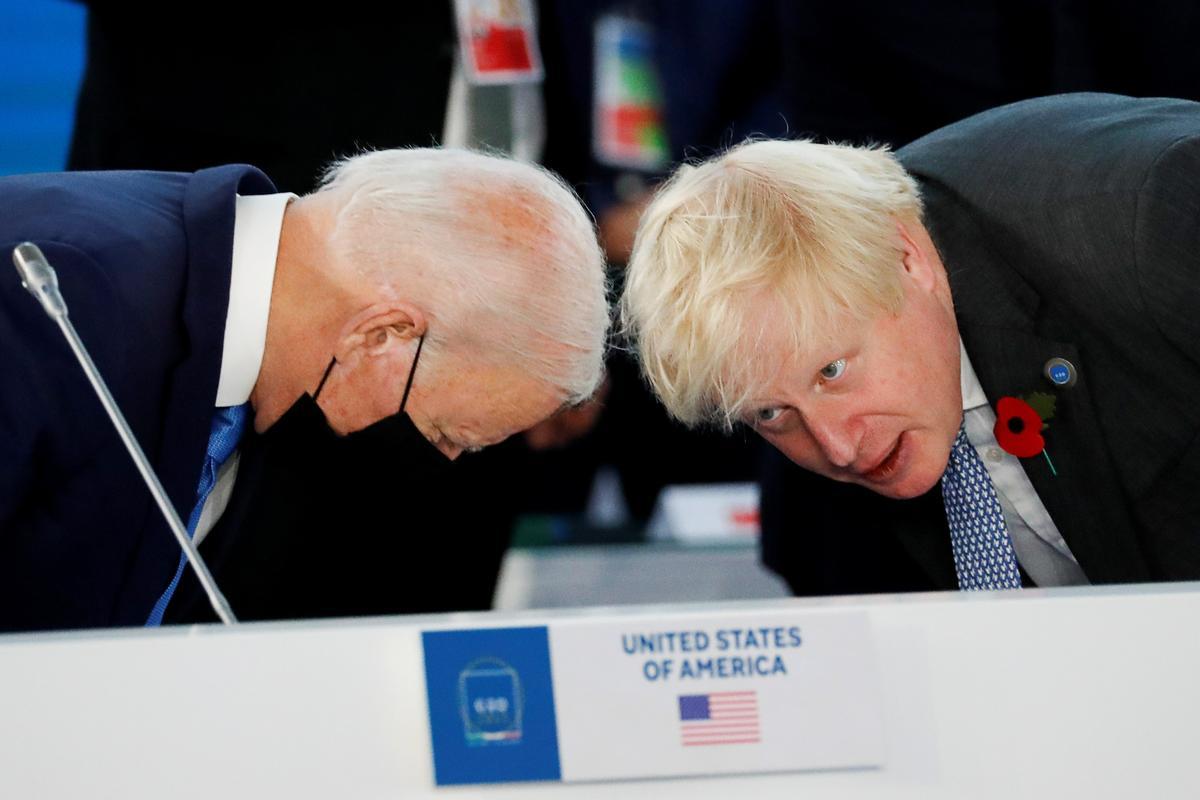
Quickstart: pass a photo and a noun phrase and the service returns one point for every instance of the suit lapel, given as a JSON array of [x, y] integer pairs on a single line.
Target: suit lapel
[[1084, 499], [190, 400], [920, 525], [1009, 339], [209, 203]]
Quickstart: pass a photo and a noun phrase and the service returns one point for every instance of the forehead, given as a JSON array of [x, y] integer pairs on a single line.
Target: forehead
[[774, 341]]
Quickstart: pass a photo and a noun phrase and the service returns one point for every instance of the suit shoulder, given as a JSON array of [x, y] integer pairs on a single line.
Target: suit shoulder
[[1059, 142], [85, 208]]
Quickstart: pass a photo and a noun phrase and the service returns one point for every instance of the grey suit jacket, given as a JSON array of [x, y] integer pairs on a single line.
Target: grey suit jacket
[[1070, 227]]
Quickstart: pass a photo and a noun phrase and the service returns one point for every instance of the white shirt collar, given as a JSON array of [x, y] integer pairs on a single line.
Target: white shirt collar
[[257, 224], [972, 392]]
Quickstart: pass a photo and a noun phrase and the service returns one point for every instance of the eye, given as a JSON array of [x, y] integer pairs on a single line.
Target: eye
[[833, 370], [767, 415]]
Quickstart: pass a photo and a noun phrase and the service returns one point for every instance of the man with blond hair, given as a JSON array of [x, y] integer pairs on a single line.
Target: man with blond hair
[[437, 300], [994, 331]]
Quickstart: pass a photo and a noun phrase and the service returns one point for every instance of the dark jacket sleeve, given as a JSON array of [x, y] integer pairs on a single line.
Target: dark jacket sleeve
[[18, 421], [65, 482]]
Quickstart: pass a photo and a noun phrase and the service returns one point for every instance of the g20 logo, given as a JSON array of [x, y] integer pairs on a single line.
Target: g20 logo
[[490, 702]]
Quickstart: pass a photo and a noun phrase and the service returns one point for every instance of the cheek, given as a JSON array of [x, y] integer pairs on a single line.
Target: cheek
[[928, 466], [943, 392], [925, 386], [372, 386], [798, 447]]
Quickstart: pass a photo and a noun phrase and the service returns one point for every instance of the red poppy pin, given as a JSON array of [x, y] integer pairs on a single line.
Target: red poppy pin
[[1020, 422]]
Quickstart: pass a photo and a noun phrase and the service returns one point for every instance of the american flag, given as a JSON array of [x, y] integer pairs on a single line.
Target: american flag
[[718, 718]]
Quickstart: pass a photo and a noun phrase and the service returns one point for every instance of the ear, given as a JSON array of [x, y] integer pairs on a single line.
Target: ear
[[919, 263], [377, 328]]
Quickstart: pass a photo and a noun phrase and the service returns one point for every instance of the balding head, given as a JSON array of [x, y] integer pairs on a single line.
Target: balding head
[[488, 267], [499, 255]]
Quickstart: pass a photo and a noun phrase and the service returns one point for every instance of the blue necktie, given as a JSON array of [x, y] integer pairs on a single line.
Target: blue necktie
[[227, 427], [983, 553]]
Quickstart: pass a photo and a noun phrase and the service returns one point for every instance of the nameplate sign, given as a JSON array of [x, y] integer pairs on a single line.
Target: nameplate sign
[[654, 697]]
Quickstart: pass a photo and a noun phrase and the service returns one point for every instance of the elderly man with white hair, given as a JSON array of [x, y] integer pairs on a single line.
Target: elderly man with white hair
[[994, 331], [449, 297]]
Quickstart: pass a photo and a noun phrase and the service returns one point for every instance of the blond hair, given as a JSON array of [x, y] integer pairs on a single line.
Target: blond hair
[[809, 227]]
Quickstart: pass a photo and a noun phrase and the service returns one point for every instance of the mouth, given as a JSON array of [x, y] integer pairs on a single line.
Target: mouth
[[890, 465]]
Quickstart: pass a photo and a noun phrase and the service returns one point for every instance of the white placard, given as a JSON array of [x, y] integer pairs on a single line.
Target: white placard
[[706, 513], [716, 694]]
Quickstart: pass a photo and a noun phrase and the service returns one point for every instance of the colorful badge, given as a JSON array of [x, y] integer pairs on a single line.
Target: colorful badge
[[498, 41], [628, 130], [1060, 372]]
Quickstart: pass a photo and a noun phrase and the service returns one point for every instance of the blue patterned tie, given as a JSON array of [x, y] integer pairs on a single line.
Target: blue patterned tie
[[983, 552], [227, 427]]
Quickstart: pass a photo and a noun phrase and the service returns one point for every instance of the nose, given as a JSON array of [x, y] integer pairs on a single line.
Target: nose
[[833, 436]]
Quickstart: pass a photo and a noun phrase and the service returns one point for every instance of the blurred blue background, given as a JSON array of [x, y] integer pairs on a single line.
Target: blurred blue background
[[41, 61]]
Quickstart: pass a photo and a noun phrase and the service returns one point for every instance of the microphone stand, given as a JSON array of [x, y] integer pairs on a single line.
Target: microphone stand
[[42, 282]]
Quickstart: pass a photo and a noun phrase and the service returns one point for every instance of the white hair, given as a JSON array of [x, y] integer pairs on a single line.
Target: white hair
[[807, 229], [499, 254]]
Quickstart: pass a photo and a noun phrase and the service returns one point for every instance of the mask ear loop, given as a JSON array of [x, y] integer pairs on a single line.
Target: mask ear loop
[[324, 378], [412, 373]]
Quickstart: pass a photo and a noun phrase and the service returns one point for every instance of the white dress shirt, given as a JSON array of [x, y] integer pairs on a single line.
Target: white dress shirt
[[257, 224], [1041, 550]]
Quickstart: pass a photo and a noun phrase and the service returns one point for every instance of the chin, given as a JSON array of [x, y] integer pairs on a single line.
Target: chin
[[909, 487]]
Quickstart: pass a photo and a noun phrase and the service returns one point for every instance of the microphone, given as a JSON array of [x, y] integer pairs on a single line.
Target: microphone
[[39, 278]]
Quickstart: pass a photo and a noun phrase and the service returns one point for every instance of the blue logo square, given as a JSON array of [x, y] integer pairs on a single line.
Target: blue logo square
[[694, 706], [491, 705]]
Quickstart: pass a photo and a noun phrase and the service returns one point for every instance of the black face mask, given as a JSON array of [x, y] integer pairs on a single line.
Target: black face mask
[[318, 523], [397, 436]]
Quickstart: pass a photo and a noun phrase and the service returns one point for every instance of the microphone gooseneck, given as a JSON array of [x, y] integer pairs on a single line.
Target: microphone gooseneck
[[42, 282]]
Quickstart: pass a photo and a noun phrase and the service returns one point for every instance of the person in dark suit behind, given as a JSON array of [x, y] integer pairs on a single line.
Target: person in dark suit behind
[[168, 89], [878, 318], [221, 311]]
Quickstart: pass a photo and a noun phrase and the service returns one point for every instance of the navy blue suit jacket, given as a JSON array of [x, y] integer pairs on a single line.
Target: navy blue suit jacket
[[143, 260]]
